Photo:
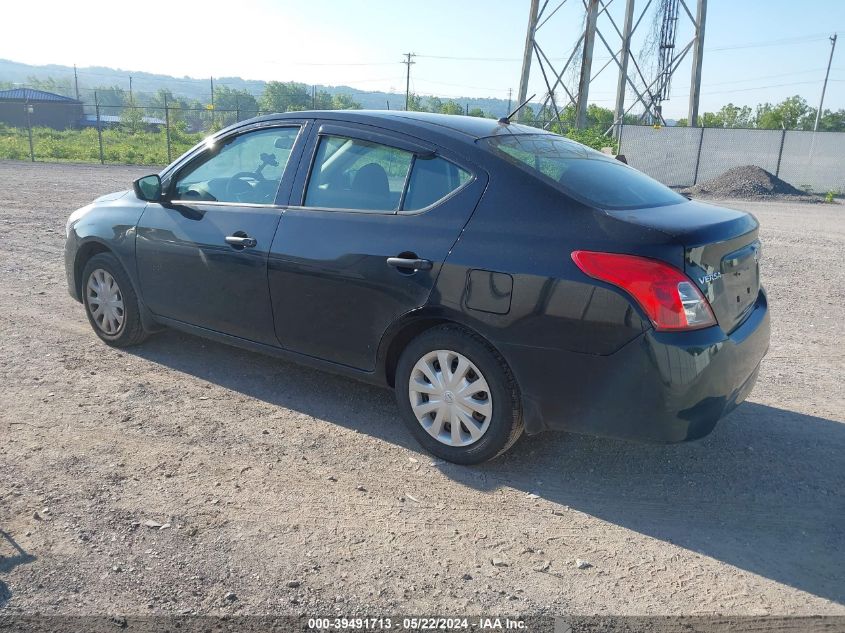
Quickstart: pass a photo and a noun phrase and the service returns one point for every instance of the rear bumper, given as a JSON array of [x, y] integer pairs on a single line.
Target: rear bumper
[[660, 387]]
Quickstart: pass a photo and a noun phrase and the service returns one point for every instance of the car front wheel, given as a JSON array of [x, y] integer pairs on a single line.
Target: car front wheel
[[110, 302], [457, 396]]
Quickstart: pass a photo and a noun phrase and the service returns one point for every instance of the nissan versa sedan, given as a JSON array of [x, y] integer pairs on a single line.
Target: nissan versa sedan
[[498, 277]]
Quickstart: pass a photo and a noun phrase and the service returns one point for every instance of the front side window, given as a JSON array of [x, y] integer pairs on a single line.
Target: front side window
[[585, 174], [246, 168], [355, 174]]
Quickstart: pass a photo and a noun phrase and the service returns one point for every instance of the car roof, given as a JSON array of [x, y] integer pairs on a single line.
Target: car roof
[[449, 124]]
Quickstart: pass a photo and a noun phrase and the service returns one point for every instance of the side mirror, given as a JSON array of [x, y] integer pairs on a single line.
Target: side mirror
[[148, 188]]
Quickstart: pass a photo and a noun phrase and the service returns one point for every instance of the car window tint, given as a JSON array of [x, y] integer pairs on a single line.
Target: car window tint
[[354, 174], [246, 169], [431, 180], [585, 174]]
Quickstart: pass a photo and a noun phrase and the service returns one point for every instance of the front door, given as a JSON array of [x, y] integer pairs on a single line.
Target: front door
[[364, 243], [202, 254]]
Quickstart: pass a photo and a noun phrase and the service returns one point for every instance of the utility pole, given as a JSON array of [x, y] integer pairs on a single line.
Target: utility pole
[[586, 65], [167, 127], [697, 53], [130, 89], [76, 81], [510, 99], [408, 63], [211, 81], [824, 85], [527, 54], [29, 109], [313, 97], [622, 84], [99, 127]]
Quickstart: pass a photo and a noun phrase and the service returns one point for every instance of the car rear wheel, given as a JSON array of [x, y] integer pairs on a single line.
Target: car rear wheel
[[110, 302], [457, 396]]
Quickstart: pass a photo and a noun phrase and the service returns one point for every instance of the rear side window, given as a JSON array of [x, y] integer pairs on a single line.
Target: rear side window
[[583, 173], [350, 173], [432, 179], [355, 174]]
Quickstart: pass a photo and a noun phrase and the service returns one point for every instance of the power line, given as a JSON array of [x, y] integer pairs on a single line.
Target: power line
[[793, 83], [739, 81], [443, 83], [801, 39]]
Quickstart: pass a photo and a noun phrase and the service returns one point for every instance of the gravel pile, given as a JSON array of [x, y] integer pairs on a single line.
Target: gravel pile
[[747, 181]]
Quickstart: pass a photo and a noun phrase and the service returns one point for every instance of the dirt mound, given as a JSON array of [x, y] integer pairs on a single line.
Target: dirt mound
[[747, 181]]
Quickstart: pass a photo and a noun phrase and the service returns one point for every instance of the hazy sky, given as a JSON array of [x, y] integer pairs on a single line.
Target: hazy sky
[[755, 50]]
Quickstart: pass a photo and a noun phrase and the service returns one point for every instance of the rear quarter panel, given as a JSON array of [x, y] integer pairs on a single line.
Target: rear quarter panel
[[528, 230]]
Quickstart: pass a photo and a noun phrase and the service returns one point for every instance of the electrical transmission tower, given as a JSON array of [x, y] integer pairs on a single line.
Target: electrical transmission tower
[[668, 31], [649, 89]]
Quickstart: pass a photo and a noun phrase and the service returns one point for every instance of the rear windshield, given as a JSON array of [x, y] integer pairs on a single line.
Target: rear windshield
[[585, 174]]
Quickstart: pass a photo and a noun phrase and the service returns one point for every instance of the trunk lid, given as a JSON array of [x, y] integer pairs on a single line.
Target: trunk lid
[[721, 252]]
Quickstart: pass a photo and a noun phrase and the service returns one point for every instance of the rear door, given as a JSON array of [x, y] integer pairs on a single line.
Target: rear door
[[373, 216], [202, 256]]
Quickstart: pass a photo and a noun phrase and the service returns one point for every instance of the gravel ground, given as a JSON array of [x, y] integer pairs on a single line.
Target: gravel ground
[[188, 477], [749, 182]]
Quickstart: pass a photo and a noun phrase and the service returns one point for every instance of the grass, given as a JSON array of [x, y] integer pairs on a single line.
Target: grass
[[119, 145]]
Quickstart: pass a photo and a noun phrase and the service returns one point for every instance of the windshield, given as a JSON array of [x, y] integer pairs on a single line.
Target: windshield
[[585, 174]]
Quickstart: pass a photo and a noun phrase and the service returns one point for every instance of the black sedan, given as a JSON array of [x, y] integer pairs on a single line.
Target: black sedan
[[500, 278]]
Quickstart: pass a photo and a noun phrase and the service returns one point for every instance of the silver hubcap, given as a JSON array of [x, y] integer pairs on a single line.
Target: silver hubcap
[[105, 301], [450, 398]]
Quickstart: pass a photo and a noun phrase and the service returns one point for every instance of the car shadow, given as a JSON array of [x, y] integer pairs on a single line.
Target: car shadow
[[8, 563], [763, 492]]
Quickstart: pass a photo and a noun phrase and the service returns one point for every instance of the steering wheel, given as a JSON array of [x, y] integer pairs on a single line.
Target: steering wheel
[[238, 185]]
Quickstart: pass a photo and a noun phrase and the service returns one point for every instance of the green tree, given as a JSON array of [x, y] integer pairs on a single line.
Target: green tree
[[231, 105], [58, 86], [132, 118], [792, 113], [526, 114], [832, 121], [434, 104], [451, 107], [736, 116], [415, 103], [709, 119], [111, 100], [728, 115], [477, 112], [344, 102], [599, 117], [323, 100], [285, 97]]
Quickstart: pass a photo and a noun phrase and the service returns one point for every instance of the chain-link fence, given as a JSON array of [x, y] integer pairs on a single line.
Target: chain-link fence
[[138, 135], [676, 156], [684, 156]]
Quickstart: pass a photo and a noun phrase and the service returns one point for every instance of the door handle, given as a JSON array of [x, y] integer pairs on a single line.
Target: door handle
[[241, 240], [409, 263]]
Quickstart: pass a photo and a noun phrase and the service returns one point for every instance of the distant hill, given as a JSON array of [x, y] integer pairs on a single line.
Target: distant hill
[[193, 88]]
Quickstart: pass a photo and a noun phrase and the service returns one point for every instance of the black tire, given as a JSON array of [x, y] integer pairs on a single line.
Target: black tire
[[505, 425], [131, 330]]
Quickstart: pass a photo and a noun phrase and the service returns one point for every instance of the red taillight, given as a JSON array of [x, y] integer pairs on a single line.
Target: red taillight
[[667, 295]]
